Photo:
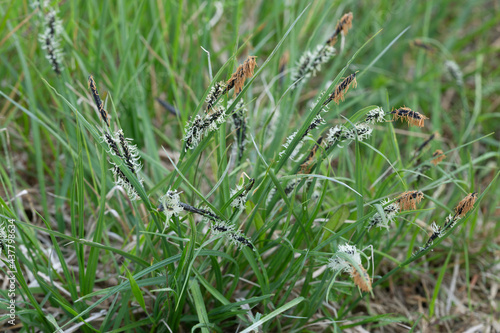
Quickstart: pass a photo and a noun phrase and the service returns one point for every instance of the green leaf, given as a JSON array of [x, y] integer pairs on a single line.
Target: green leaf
[[335, 222]]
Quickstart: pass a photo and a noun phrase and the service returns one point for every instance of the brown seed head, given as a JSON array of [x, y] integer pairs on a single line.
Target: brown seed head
[[427, 47], [409, 200], [438, 156], [343, 25], [243, 72], [305, 168], [341, 89], [412, 117], [466, 204], [362, 279]]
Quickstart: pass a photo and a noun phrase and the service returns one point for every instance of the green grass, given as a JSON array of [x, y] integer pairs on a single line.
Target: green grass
[[91, 259]]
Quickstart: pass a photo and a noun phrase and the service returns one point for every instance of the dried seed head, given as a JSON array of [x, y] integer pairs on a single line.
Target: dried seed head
[[438, 156], [410, 116], [422, 45], [305, 167], [341, 89], [243, 72], [343, 25], [466, 204], [97, 99], [361, 279], [409, 200]]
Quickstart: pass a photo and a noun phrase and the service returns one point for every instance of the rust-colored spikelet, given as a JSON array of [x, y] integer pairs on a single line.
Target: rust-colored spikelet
[[422, 45], [409, 200], [341, 89], [243, 72], [466, 204], [98, 102], [361, 279], [412, 117], [305, 168], [343, 25], [438, 156]]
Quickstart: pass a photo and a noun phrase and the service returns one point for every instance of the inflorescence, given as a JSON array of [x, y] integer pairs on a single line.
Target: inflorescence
[[50, 37]]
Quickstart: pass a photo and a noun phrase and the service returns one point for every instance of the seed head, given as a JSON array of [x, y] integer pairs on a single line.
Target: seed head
[[337, 263], [362, 130], [438, 156], [410, 116], [215, 92], [50, 39], [170, 202], [122, 181], [408, 200], [466, 204], [375, 115], [361, 279], [455, 72], [243, 72], [390, 211], [97, 99], [341, 89], [343, 26]]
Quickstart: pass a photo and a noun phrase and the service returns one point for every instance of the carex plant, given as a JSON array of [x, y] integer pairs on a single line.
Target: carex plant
[[273, 224]]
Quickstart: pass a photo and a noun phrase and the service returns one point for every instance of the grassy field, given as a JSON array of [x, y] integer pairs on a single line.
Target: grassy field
[[343, 179]]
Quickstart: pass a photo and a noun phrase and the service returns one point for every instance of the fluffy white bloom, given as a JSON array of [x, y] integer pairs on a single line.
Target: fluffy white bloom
[[337, 263], [3, 237], [334, 134], [130, 154], [240, 201], [436, 229], [270, 196], [215, 92], [171, 204], [122, 181], [375, 115], [199, 126], [310, 62], [362, 130], [234, 236], [454, 71], [390, 212], [50, 40], [296, 149]]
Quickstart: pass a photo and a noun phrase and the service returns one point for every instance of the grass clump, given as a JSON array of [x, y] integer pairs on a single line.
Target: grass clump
[[296, 203]]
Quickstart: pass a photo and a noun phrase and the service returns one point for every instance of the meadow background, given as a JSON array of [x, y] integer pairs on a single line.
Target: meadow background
[[90, 259]]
